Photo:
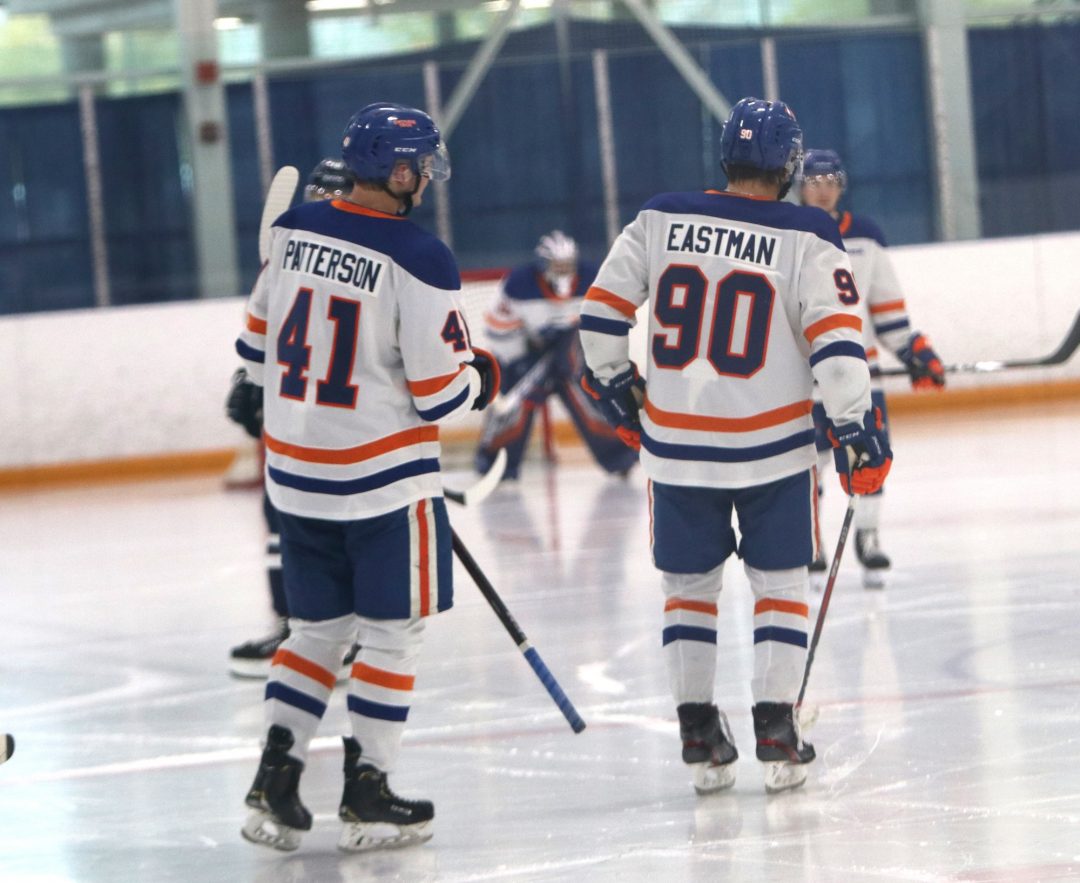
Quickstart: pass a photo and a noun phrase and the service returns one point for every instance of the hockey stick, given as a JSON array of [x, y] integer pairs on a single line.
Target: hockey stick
[[825, 603], [1058, 357], [278, 199], [482, 489], [518, 636]]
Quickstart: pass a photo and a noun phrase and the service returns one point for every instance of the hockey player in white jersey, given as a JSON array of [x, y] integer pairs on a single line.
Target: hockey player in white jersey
[[751, 301], [885, 323], [355, 330], [535, 320]]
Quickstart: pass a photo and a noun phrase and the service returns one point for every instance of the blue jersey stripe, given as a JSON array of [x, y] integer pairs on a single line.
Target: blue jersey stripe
[[246, 351], [839, 348], [712, 454], [689, 633], [783, 635], [377, 710], [433, 414], [284, 693], [604, 326], [355, 485], [892, 326]]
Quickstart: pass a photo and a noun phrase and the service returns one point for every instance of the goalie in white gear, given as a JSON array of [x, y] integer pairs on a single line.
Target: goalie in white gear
[[532, 329], [885, 323], [751, 300]]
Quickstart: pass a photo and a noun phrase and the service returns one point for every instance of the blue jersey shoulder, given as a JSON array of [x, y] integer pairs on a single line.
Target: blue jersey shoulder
[[415, 250], [766, 213], [524, 282], [862, 227]]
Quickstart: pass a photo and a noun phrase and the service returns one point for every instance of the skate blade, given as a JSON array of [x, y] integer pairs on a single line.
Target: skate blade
[[263, 830], [873, 579], [250, 669], [783, 776], [711, 777], [369, 836]]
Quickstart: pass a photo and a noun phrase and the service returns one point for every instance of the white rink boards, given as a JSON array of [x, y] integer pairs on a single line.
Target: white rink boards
[[947, 735]]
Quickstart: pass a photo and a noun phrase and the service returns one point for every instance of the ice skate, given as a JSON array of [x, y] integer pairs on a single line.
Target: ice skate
[[278, 817], [374, 816], [874, 561], [707, 746], [779, 746], [7, 747], [252, 659]]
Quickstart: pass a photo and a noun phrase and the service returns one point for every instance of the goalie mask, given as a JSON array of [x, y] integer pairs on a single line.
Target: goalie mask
[[556, 259]]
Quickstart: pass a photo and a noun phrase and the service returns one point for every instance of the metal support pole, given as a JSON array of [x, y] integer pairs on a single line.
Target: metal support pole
[[676, 53], [433, 98], [608, 171], [477, 68], [264, 140], [769, 70], [99, 249]]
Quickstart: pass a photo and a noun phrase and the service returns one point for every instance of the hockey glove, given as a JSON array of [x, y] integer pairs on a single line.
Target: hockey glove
[[862, 454], [488, 367], [619, 400], [245, 403], [922, 363]]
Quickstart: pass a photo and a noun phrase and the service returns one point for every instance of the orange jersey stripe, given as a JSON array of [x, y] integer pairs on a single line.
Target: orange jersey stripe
[[775, 417], [696, 606], [767, 604], [255, 324], [343, 456], [305, 667], [830, 323], [425, 585], [381, 677], [433, 384], [871, 353], [887, 307], [845, 223], [345, 206], [603, 296], [502, 324]]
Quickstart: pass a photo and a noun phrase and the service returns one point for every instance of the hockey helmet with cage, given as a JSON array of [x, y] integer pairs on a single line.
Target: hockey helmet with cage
[[328, 180], [762, 135], [820, 163], [381, 135], [557, 257]]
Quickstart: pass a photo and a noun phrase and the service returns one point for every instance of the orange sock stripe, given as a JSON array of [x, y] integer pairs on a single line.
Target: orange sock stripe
[[305, 667], [767, 604], [696, 606], [380, 677]]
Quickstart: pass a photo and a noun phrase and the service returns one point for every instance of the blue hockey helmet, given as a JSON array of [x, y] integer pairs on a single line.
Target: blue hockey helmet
[[762, 135], [819, 163], [381, 135]]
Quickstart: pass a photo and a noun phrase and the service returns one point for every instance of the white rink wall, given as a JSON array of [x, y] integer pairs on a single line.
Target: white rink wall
[[139, 381]]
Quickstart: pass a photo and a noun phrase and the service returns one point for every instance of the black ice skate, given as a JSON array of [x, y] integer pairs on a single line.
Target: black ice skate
[[374, 816], [278, 818], [874, 561], [7, 746], [707, 746], [252, 660], [780, 747]]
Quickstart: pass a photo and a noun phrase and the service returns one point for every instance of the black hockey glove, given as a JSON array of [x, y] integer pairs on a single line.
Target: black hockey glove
[[620, 400], [488, 366], [245, 403]]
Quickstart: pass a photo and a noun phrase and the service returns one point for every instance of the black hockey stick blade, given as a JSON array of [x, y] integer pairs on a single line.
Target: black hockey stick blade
[[840, 544], [1058, 357], [510, 624], [482, 489]]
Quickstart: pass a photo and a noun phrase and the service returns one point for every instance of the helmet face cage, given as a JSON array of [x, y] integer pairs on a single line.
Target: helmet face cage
[[556, 257], [824, 166]]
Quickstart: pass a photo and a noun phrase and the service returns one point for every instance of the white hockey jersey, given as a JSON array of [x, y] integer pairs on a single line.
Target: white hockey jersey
[[750, 301], [355, 330], [882, 308]]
